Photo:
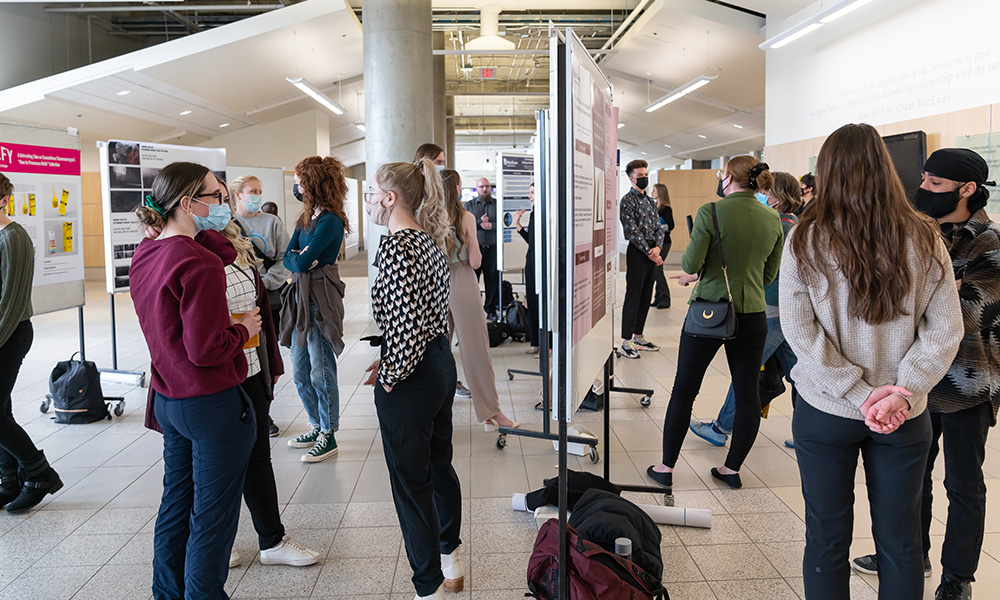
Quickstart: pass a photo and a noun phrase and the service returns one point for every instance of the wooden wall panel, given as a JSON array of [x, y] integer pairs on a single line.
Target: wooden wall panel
[[93, 221], [688, 191]]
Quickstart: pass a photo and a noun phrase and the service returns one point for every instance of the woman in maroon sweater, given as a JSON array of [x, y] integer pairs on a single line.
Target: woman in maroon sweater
[[196, 350]]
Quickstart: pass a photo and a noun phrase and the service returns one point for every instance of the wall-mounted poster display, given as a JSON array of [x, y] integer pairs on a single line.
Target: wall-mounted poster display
[[47, 203], [515, 174], [127, 173]]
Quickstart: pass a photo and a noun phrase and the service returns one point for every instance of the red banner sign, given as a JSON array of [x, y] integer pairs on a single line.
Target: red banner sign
[[19, 158]]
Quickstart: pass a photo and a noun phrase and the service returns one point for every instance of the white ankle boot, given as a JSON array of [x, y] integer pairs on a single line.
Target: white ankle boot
[[454, 576], [437, 595]]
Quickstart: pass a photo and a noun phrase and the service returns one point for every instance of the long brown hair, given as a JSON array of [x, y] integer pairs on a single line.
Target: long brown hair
[[324, 186], [451, 181], [786, 192], [232, 231], [418, 187], [861, 225], [428, 150], [662, 196]]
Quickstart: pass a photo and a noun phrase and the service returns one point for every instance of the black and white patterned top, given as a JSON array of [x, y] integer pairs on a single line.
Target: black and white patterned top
[[409, 301], [241, 296]]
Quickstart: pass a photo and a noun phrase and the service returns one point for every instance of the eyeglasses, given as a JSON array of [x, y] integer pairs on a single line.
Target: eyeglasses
[[217, 194]]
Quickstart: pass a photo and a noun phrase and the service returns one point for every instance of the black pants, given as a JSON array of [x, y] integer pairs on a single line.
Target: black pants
[[964, 435], [488, 269], [638, 291], [532, 300], [662, 294], [415, 421], [260, 491], [827, 449], [15, 445], [693, 357]]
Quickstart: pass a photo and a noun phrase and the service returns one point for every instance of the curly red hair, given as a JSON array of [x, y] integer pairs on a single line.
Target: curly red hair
[[324, 187]]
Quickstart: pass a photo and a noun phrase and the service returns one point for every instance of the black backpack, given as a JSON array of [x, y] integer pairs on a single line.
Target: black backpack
[[516, 316], [498, 331], [75, 392]]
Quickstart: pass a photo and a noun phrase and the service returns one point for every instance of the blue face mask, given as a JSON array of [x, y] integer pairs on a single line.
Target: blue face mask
[[217, 219], [254, 202], [440, 167], [762, 198]]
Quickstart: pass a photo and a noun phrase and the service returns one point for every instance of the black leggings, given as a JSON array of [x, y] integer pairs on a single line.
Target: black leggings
[[693, 357], [15, 445], [259, 490]]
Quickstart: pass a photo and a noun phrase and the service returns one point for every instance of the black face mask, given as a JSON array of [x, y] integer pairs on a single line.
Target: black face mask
[[719, 190], [936, 204], [641, 182], [296, 192]]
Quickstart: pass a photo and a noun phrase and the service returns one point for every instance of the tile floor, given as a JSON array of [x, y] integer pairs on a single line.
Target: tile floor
[[94, 538]]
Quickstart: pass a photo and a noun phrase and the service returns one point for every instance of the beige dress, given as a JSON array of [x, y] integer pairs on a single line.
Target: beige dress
[[469, 324]]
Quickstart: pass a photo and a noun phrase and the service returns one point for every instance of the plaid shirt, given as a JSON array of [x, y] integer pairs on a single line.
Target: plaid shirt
[[640, 221], [974, 376]]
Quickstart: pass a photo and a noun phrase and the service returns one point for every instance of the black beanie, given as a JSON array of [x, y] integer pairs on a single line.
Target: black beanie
[[962, 165]]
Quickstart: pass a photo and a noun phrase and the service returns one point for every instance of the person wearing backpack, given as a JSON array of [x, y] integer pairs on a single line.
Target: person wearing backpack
[[17, 451]]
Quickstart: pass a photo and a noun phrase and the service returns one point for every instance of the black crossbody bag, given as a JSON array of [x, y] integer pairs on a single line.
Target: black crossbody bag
[[716, 320]]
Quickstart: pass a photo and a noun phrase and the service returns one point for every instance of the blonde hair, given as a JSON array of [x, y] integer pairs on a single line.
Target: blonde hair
[[451, 181], [245, 255], [236, 187], [420, 190]]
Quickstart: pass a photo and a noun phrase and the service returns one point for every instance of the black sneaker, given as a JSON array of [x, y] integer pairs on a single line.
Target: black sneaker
[[951, 589], [272, 429], [644, 344], [868, 564]]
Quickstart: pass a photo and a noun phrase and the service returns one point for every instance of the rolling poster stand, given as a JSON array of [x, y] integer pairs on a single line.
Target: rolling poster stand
[[575, 245]]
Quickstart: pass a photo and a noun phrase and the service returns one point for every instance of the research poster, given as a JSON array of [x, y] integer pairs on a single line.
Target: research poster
[[127, 172], [594, 227], [515, 173], [47, 202]]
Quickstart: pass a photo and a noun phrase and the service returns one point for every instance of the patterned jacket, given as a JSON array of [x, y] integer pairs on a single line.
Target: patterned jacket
[[974, 376], [640, 222]]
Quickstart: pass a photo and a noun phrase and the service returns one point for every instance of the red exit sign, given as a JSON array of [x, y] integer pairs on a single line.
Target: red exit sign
[[487, 73]]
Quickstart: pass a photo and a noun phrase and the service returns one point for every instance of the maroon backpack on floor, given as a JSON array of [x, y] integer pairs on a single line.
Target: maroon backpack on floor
[[593, 572]]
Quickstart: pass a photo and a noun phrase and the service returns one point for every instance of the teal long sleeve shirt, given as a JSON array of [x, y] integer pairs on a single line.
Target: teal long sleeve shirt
[[752, 237], [322, 240]]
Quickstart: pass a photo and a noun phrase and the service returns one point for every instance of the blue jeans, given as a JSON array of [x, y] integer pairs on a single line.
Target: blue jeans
[[206, 447], [314, 368], [776, 345]]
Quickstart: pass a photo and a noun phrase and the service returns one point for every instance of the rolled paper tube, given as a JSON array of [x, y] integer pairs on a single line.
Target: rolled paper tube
[[675, 515]]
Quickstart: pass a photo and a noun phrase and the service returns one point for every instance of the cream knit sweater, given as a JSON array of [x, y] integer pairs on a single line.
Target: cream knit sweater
[[842, 359]]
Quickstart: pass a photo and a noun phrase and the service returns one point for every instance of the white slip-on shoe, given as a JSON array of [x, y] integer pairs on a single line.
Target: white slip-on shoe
[[454, 575], [234, 559], [288, 552]]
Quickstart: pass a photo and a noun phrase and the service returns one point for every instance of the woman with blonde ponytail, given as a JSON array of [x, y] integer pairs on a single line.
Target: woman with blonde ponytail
[[415, 376]]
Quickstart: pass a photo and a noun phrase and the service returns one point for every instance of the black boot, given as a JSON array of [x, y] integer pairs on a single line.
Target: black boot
[[39, 479], [10, 486]]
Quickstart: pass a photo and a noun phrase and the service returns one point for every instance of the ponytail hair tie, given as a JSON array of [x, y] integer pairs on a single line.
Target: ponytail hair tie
[[151, 202], [756, 170]]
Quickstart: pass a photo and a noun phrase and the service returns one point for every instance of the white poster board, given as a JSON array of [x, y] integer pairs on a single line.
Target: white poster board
[[44, 167], [272, 183], [127, 172], [515, 173], [589, 147], [351, 210]]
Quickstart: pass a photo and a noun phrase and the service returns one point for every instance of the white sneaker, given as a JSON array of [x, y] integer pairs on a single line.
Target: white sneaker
[[290, 553], [437, 595], [454, 576], [234, 559]]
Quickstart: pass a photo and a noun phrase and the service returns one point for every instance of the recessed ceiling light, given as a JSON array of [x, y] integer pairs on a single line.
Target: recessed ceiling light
[[702, 137], [643, 153], [185, 113], [737, 126], [667, 146], [124, 93], [224, 125]]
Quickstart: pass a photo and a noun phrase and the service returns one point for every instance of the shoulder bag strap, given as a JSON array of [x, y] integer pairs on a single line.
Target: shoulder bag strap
[[722, 253]]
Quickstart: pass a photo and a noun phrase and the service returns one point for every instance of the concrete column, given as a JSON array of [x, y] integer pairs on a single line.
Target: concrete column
[[449, 149], [440, 132], [399, 103]]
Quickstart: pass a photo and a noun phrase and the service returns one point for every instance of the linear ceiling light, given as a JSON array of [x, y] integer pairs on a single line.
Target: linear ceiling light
[[813, 23], [310, 90], [684, 90]]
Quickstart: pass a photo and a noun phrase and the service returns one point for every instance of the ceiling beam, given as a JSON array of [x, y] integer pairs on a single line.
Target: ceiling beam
[[181, 7]]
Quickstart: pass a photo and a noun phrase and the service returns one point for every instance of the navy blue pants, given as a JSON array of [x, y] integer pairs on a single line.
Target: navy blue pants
[[827, 448], [206, 447], [415, 420]]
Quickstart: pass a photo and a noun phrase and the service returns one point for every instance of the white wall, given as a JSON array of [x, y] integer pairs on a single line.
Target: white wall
[[38, 44], [280, 144], [888, 61]]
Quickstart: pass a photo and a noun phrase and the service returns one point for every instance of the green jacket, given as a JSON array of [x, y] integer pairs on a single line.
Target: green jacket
[[752, 237]]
